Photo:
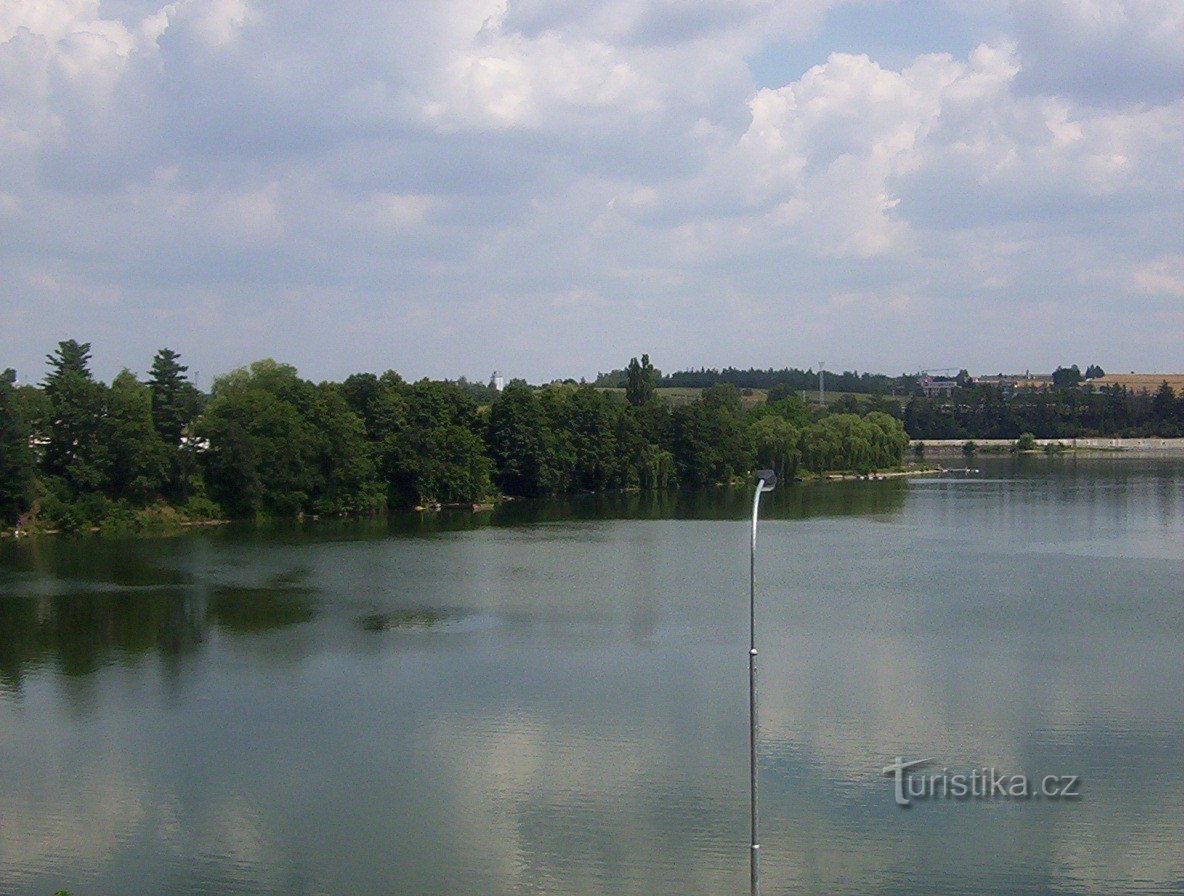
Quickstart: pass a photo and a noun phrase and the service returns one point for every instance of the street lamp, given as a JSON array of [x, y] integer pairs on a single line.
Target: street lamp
[[765, 481]]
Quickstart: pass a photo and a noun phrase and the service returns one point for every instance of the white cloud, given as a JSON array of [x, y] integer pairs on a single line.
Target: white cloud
[[1102, 51], [517, 82], [61, 20], [442, 156], [1164, 276], [218, 22]]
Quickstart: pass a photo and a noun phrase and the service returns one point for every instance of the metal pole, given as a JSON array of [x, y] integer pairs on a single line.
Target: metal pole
[[766, 479]]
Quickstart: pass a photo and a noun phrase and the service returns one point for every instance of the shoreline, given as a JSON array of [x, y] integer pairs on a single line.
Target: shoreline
[[161, 528], [943, 448], [1150, 445], [873, 477]]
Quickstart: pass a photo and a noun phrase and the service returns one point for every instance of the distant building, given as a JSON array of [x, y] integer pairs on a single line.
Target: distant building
[[1025, 380], [496, 381], [934, 386]]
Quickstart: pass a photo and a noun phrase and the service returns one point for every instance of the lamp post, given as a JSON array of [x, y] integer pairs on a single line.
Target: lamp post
[[765, 481]]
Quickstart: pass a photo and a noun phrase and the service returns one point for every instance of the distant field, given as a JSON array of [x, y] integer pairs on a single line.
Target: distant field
[[1140, 382]]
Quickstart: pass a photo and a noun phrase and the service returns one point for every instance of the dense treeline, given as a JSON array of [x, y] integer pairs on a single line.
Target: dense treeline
[[78, 453], [988, 412], [789, 377]]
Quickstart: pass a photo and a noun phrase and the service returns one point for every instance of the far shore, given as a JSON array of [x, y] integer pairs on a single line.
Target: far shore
[[1133, 446]]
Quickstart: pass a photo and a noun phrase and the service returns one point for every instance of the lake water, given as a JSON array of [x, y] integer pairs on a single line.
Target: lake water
[[553, 698]]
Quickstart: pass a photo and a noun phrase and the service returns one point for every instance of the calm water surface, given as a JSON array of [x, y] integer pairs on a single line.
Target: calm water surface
[[553, 698]]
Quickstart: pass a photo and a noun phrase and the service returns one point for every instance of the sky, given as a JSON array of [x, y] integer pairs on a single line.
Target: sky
[[549, 188]]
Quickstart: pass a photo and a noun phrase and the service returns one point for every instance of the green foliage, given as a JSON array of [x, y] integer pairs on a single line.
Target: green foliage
[[1165, 407], [175, 401], [270, 443], [584, 450], [69, 357], [64, 510], [988, 412], [75, 451], [641, 461], [431, 443], [969, 448], [775, 445], [455, 469], [521, 444], [789, 379], [708, 438], [790, 408], [139, 460], [176, 404], [848, 442], [281, 445], [347, 475], [1026, 442], [18, 464], [199, 507], [1066, 377], [641, 381]]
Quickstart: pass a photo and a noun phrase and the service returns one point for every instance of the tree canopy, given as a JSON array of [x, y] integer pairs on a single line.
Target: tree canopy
[[76, 452]]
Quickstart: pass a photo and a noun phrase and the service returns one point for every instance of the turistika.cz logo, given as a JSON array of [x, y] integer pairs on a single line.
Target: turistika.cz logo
[[910, 783]]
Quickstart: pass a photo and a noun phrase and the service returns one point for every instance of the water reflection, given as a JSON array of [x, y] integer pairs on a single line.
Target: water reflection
[[83, 602], [524, 704], [799, 501], [81, 631]]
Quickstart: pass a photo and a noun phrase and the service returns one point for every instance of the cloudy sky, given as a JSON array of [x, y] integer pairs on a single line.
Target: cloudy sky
[[447, 187]]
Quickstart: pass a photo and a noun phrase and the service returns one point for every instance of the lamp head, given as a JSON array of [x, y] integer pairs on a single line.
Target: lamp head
[[766, 479]]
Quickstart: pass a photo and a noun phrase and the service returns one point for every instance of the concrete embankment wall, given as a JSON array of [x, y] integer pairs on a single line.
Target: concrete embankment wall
[[1142, 445]]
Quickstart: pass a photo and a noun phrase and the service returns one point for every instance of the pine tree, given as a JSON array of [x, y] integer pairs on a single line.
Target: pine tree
[[77, 404], [17, 462], [175, 400], [71, 357]]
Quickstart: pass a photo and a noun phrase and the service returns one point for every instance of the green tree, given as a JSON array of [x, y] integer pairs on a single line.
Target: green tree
[[708, 438], [1165, 411], [17, 461], [582, 422], [70, 356], [521, 443], [889, 439], [281, 445], [175, 400], [455, 468], [428, 456], [1163, 403], [74, 451], [138, 459], [641, 461], [789, 407], [1066, 376], [348, 478], [641, 381], [775, 445], [850, 442]]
